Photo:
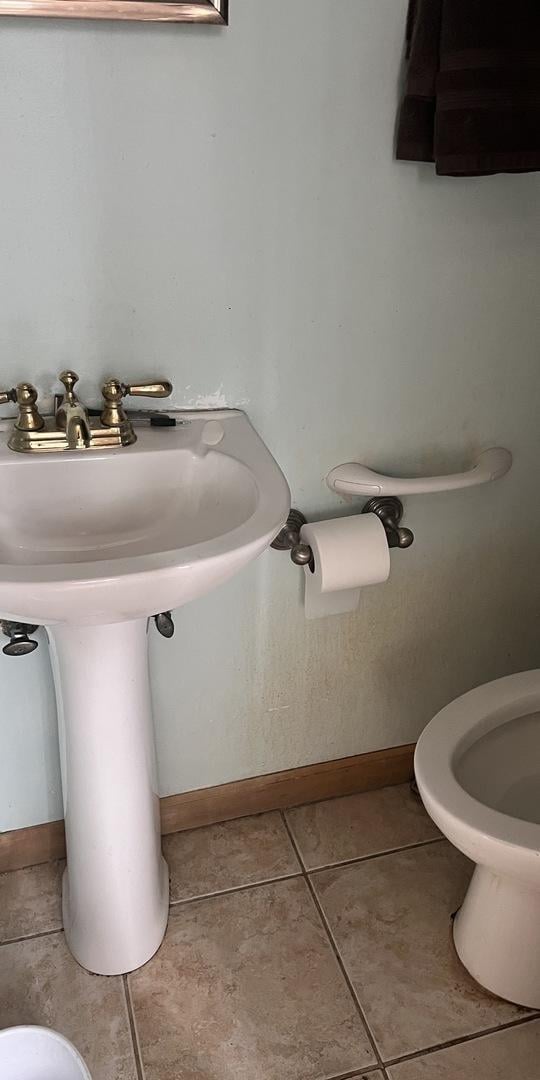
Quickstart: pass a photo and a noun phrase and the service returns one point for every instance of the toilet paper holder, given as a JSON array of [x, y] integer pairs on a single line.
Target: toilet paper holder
[[388, 509]]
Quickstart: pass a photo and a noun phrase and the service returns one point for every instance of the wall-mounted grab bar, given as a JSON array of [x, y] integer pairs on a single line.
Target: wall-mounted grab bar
[[355, 479]]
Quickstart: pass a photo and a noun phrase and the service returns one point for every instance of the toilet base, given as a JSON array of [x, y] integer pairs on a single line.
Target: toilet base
[[497, 936]]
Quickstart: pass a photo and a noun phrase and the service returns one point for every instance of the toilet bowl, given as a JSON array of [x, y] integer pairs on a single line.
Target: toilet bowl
[[37, 1053], [477, 768]]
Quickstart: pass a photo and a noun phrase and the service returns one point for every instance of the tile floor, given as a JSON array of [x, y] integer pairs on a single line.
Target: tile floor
[[313, 945]]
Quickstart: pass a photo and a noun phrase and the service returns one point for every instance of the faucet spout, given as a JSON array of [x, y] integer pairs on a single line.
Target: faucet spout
[[78, 430]]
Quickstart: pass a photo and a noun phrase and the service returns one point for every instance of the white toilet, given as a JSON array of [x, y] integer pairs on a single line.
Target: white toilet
[[478, 771]]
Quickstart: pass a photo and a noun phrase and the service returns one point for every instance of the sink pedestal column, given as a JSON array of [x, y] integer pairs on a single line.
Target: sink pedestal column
[[115, 890]]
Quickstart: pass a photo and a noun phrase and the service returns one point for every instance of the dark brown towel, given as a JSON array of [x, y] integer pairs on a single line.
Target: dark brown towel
[[472, 92]]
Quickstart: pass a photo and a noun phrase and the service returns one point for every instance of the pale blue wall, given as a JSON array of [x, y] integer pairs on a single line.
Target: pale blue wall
[[223, 207]]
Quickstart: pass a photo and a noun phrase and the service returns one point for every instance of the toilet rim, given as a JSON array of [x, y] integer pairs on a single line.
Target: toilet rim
[[457, 726]]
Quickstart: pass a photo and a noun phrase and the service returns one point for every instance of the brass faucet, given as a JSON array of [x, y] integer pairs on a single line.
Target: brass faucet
[[71, 427]]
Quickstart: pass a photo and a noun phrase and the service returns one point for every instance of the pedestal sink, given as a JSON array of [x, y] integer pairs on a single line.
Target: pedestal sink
[[91, 545]]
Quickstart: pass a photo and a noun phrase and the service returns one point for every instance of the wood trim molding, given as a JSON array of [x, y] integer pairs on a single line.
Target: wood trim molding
[[36, 844], [274, 791]]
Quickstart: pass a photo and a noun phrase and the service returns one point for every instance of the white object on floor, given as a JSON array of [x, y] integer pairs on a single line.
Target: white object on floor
[[356, 479], [477, 767], [36, 1053], [348, 553]]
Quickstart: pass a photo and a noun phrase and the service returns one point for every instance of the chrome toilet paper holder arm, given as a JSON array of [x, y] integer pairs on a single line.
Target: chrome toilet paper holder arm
[[388, 509]]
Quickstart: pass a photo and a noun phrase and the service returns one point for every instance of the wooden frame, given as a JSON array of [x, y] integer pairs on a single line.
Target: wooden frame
[[275, 791], [193, 11]]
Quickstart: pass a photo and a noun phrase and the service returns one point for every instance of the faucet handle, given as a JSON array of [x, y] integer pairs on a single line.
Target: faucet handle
[[29, 418], [163, 388], [69, 378], [113, 391], [25, 395]]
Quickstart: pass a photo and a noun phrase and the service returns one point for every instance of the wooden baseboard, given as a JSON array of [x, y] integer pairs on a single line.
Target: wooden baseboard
[[36, 844], [289, 788], [275, 791]]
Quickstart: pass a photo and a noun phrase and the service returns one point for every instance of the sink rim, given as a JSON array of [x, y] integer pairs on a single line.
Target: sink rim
[[271, 491]]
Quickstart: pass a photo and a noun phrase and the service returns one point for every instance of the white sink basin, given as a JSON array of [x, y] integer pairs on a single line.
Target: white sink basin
[[92, 543], [103, 536]]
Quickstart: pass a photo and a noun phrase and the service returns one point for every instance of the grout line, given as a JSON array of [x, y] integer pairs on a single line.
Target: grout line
[[377, 855], [356, 1075], [288, 829], [294, 843], [472, 1037], [339, 958], [345, 974], [31, 937], [233, 889], [133, 1030]]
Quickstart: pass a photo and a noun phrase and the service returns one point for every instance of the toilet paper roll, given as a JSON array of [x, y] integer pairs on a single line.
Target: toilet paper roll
[[348, 553]]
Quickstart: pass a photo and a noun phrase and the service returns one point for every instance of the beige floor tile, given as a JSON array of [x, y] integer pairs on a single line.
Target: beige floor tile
[[246, 985], [391, 920], [513, 1054], [40, 983], [227, 855], [31, 900], [358, 825]]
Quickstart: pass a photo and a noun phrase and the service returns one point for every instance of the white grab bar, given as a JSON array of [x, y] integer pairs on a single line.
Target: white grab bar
[[355, 479]]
